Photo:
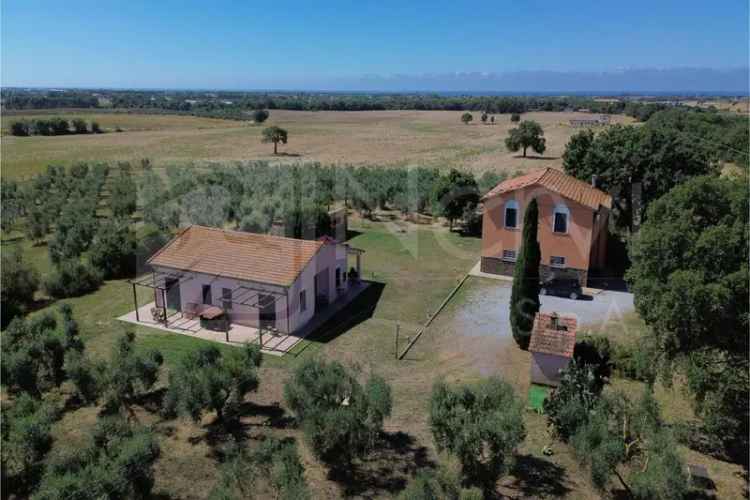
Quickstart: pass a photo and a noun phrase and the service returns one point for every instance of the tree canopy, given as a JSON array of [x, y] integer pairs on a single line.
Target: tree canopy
[[689, 277], [341, 419], [275, 135], [454, 192], [657, 158], [528, 134], [210, 379], [19, 283], [479, 423]]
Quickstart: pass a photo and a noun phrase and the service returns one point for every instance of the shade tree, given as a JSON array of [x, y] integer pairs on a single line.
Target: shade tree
[[275, 135], [466, 118], [528, 134]]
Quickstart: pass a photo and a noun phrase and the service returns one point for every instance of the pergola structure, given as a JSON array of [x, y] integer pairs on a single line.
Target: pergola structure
[[161, 282], [243, 295]]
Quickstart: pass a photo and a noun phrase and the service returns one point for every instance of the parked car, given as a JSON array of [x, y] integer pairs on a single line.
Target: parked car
[[562, 287]]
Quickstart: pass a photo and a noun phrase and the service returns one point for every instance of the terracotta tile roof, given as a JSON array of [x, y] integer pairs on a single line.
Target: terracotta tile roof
[[235, 254], [545, 338], [559, 182]]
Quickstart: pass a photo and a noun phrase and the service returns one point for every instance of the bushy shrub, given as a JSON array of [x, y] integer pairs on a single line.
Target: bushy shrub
[[95, 128], [596, 352], [636, 361], [72, 278], [571, 404]]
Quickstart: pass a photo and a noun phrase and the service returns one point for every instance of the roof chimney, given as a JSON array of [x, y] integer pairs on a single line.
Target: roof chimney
[[594, 178]]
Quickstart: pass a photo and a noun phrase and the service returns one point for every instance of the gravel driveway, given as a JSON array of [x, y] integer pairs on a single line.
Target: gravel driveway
[[486, 308]]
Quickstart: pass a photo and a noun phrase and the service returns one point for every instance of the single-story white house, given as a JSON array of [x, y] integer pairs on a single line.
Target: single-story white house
[[256, 280]]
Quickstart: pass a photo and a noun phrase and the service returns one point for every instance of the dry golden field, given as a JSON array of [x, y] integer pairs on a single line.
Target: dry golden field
[[429, 138]]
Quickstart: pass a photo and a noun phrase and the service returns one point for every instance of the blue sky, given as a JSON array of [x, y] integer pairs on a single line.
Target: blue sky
[[343, 45]]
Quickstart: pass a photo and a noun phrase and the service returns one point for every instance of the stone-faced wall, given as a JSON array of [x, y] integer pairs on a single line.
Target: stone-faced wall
[[494, 265]]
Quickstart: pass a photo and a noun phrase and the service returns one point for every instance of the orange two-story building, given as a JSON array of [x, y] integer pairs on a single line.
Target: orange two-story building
[[572, 231]]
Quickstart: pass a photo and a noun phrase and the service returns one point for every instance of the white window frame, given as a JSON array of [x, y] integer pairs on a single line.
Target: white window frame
[[561, 208], [510, 259], [552, 264], [514, 205]]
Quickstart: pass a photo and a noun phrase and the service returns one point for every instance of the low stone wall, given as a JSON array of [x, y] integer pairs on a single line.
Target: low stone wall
[[495, 265]]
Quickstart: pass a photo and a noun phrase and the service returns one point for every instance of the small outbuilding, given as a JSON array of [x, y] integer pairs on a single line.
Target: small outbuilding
[[553, 340]]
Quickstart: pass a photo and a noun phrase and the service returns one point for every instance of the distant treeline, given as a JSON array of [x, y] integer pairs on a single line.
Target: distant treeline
[[236, 104], [54, 126]]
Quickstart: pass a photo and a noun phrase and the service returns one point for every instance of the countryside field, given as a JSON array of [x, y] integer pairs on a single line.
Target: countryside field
[[427, 138]]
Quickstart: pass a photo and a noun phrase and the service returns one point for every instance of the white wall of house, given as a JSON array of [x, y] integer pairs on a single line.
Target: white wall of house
[[289, 316], [545, 368]]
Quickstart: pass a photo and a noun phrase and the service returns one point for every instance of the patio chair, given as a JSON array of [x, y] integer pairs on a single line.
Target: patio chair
[[158, 314], [191, 310]]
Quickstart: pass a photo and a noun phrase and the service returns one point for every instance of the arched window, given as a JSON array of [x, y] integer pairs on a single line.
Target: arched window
[[560, 219], [511, 214]]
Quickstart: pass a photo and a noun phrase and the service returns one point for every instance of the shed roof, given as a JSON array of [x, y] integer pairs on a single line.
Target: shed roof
[[550, 338], [253, 257], [558, 182]]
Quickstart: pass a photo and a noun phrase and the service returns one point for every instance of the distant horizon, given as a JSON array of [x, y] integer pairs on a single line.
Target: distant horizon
[[671, 46]]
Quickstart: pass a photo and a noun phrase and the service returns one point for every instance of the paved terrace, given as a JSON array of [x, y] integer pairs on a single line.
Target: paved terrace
[[276, 344]]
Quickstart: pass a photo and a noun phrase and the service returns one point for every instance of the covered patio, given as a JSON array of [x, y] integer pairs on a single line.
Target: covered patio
[[271, 340]]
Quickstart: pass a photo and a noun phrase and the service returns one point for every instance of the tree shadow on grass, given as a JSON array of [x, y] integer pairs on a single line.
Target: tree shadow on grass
[[359, 310], [537, 477], [274, 414], [536, 157], [386, 470]]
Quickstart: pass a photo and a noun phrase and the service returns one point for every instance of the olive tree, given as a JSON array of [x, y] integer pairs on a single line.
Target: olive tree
[[341, 419], [481, 424], [209, 379]]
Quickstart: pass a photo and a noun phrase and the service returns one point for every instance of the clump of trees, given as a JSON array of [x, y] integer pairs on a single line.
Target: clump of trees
[[524, 298], [341, 418], [52, 126], [481, 424], [651, 159], [467, 118], [275, 135], [689, 277], [212, 380], [528, 134], [515, 117], [615, 437]]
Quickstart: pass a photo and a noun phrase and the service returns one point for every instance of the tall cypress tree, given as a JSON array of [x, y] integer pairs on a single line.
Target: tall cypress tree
[[524, 299]]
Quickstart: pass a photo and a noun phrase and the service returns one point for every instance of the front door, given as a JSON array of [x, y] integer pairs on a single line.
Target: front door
[[174, 301], [206, 294], [267, 314]]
